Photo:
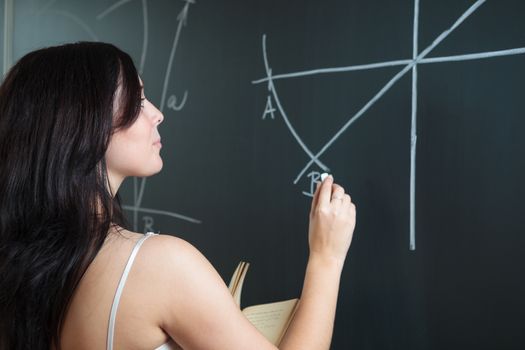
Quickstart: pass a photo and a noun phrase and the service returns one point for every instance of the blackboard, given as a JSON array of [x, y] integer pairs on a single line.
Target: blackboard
[[423, 123]]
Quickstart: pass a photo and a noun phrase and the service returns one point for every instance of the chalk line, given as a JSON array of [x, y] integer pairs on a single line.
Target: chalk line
[[281, 109], [77, 20], [181, 18], [145, 37], [335, 70], [425, 52], [413, 131], [162, 212], [111, 9]]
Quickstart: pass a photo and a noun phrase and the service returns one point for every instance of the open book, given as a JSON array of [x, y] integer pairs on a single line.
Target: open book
[[270, 319]]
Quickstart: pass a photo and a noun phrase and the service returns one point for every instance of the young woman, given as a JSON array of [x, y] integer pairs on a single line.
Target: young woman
[[74, 123]]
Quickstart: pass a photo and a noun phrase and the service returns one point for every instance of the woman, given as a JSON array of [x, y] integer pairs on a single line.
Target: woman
[[74, 123]]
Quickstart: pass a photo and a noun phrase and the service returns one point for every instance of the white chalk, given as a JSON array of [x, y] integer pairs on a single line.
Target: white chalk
[[324, 176]]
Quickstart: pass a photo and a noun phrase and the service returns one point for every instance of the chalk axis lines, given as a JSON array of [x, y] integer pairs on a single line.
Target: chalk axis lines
[[408, 65]]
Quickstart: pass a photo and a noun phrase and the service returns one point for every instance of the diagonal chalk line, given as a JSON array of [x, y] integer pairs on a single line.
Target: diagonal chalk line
[[181, 18], [77, 20], [162, 212], [475, 56], [398, 76], [140, 195], [410, 64], [111, 9], [452, 58], [145, 36], [334, 70], [45, 7], [281, 109], [367, 106]]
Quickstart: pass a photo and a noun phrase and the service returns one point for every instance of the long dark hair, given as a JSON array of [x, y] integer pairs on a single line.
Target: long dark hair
[[58, 110]]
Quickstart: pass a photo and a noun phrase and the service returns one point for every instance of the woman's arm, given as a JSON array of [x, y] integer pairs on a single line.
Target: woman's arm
[[332, 223], [195, 306], [312, 325], [197, 310]]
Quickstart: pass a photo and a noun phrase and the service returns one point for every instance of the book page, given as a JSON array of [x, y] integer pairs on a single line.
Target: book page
[[235, 278], [271, 319]]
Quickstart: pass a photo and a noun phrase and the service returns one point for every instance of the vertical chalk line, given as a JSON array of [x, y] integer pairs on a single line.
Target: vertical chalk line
[[135, 196], [8, 34], [413, 131]]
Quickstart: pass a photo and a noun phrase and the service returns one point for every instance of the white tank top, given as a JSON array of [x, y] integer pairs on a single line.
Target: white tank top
[[170, 345]]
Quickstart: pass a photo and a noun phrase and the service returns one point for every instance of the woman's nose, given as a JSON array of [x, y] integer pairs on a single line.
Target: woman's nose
[[157, 115], [160, 117]]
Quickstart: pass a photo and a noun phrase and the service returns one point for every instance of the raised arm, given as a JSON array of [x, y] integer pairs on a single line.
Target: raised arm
[[197, 310], [332, 223]]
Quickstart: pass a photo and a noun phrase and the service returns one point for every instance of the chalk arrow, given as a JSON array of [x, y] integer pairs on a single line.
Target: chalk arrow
[[183, 15], [182, 18]]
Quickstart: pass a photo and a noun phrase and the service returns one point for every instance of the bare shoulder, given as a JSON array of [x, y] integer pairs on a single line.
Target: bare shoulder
[[178, 272], [171, 251], [186, 295], [159, 248], [163, 266], [173, 264], [168, 243]]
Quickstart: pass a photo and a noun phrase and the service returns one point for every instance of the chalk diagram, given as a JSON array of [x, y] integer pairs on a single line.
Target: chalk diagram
[[418, 57], [173, 102]]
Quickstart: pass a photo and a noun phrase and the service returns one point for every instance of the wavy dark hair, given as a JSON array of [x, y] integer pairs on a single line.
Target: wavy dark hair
[[59, 107]]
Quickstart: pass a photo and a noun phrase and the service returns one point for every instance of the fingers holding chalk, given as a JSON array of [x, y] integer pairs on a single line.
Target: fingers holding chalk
[[323, 177], [325, 191], [322, 191]]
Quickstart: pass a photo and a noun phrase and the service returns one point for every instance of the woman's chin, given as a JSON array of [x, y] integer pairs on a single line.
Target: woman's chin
[[158, 168], [153, 170]]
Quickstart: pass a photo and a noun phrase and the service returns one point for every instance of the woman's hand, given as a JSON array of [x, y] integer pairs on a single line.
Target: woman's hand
[[332, 221]]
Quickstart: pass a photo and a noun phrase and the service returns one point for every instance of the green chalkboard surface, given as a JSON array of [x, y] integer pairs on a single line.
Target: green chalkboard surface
[[416, 107]]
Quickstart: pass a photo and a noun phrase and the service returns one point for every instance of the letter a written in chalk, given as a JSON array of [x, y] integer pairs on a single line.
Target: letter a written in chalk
[[269, 109]]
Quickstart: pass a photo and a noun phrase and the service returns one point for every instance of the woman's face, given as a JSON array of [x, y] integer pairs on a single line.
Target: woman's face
[[135, 151]]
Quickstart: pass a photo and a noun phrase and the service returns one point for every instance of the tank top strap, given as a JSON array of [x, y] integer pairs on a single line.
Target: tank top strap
[[118, 293]]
